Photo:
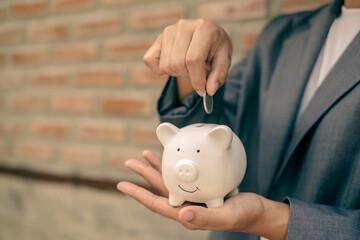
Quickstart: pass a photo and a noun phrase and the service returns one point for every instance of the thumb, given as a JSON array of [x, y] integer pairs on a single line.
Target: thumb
[[206, 218], [219, 70]]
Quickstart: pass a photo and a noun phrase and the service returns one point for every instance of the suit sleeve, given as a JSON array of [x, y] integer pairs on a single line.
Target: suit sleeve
[[317, 221]]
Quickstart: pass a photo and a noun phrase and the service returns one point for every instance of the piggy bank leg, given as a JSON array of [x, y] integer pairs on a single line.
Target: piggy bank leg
[[175, 201], [234, 192], [218, 202]]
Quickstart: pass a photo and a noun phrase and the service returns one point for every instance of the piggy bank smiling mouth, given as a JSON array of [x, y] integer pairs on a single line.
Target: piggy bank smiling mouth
[[187, 190]]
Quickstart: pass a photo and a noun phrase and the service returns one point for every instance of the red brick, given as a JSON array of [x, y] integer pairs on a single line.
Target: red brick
[[10, 79], [4, 149], [25, 103], [81, 154], [49, 128], [143, 76], [29, 56], [10, 34], [47, 31], [97, 25], [75, 52], [155, 17], [60, 6], [127, 105], [115, 2], [146, 135], [101, 130], [49, 77], [31, 150], [100, 76], [232, 10], [28, 9], [122, 48], [118, 156], [72, 103], [289, 6]]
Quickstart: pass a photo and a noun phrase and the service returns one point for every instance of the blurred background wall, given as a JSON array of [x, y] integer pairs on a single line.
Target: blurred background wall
[[76, 101]]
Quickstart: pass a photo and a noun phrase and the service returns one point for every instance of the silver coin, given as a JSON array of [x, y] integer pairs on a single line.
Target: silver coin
[[208, 103]]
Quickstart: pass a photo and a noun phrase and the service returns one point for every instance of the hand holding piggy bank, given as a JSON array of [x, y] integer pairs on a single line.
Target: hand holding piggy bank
[[201, 163]]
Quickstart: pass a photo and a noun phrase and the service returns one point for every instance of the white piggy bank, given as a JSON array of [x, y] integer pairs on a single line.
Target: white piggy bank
[[201, 163]]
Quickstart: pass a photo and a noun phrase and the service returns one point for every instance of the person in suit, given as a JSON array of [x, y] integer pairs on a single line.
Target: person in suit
[[295, 104]]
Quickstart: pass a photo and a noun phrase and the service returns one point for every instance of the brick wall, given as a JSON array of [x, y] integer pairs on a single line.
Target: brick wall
[[75, 97]]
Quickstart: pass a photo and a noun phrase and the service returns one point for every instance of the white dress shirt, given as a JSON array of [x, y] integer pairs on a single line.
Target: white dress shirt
[[341, 33]]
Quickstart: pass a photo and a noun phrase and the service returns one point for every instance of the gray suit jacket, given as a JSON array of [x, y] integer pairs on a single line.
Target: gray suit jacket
[[315, 165]]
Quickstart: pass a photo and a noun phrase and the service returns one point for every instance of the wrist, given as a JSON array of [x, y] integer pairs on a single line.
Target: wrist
[[272, 221], [275, 219]]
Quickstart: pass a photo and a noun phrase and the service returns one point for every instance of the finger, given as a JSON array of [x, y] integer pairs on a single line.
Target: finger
[[208, 218], [167, 44], [182, 41], [219, 70], [152, 56], [152, 176], [153, 159], [197, 55], [153, 202]]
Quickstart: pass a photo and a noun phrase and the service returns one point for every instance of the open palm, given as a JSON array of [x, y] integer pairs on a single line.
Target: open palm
[[242, 212]]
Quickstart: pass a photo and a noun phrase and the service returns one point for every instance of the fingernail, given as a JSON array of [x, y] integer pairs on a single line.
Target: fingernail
[[200, 92], [122, 186], [129, 163], [188, 216]]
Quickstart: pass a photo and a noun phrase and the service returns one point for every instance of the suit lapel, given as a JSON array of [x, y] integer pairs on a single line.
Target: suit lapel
[[299, 54], [341, 79]]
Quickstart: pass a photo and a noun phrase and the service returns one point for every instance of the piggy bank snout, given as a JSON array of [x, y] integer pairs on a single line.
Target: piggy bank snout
[[186, 170]]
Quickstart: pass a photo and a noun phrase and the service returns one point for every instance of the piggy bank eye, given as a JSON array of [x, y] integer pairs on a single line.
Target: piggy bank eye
[[178, 149], [198, 150]]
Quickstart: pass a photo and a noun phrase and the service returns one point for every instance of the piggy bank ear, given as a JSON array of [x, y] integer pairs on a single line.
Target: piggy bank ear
[[222, 136], [165, 132]]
